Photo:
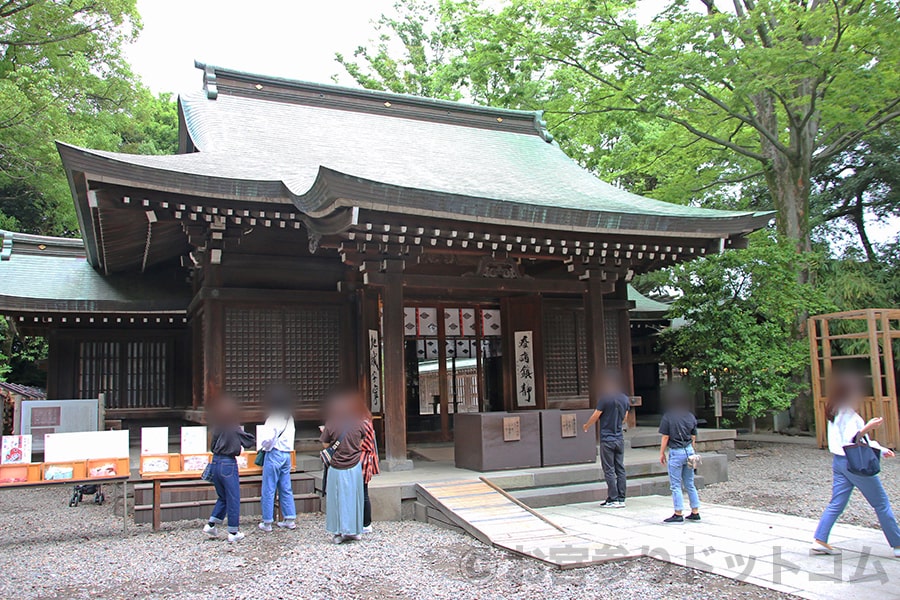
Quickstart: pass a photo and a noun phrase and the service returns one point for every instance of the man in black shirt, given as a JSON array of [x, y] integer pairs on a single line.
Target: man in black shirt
[[612, 408]]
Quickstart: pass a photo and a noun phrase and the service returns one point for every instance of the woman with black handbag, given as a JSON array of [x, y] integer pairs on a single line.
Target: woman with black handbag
[[854, 464]]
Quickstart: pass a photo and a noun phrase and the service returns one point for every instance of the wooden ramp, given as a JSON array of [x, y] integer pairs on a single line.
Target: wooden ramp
[[492, 516]]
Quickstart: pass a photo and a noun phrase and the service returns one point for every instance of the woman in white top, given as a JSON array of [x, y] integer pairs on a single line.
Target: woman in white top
[[844, 427], [277, 439]]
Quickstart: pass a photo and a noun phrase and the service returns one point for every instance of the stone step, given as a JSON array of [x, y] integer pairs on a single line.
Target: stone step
[[571, 474], [308, 463], [593, 492]]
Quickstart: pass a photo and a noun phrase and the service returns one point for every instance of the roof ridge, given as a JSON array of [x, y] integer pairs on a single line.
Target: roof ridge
[[29, 243], [213, 85]]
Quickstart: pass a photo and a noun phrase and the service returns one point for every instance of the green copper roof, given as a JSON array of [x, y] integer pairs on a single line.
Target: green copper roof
[[326, 148], [46, 274], [646, 308]]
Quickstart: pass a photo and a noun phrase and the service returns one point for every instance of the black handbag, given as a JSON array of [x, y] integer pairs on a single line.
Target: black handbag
[[863, 459]]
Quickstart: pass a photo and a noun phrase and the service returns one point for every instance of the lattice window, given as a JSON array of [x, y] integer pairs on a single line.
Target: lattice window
[[299, 347], [612, 340], [565, 353], [133, 374]]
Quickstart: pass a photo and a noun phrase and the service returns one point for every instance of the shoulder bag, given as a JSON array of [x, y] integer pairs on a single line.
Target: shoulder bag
[[327, 454], [260, 459], [862, 459]]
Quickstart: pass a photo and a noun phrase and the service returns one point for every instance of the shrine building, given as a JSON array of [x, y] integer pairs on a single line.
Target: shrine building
[[445, 257]]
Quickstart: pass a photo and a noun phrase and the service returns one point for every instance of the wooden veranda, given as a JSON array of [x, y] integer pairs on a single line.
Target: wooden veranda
[[849, 340]]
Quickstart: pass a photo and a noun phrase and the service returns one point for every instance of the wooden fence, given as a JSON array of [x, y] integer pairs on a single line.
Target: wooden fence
[[860, 338]]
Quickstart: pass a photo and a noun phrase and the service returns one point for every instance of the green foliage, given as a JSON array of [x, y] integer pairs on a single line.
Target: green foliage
[[861, 183], [740, 309], [686, 107], [63, 77]]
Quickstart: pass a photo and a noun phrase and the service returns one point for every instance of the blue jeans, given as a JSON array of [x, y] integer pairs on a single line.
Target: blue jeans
[[228, 489], [277, 475], [682, 474], [842, 489]]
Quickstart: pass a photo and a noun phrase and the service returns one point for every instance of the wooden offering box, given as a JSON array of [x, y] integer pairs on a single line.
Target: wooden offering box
[[78, 468], [19, 473], [153, 463], [104, 468]]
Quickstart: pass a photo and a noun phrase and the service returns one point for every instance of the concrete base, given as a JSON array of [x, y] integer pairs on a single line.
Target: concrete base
[[720, 441], [397, 465]]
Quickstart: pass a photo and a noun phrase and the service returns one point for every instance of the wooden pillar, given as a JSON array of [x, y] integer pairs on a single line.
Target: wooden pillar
[[213, 350], [625, 351], [595, 324], [394, 368]]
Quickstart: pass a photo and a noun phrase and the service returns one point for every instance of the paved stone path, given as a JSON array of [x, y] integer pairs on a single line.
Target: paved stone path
[[765, 549]]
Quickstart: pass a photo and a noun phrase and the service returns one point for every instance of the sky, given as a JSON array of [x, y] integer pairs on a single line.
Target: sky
[[296, 39]]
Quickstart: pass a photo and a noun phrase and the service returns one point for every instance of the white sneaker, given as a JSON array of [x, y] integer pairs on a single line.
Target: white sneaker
[[211, 530], [367, 529], [267, 527], [236, 537], [826, 549], [337, 539], [619, 504], [896, 552], [287, 524]]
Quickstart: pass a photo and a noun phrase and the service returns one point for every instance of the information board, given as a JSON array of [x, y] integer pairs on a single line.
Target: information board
[[40, 417]]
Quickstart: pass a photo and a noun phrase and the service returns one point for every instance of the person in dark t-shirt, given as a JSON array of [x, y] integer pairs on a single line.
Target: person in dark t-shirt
[[612, 408], [679, 430]]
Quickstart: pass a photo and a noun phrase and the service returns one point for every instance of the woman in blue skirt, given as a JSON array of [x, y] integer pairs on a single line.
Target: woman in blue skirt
[[344, 485]]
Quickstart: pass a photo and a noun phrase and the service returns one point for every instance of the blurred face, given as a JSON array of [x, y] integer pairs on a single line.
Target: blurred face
[[342, 406], [225, 412]]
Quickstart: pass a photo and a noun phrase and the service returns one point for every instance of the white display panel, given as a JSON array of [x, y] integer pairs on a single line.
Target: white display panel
[[193, 440], [154, 440], [85, 445]]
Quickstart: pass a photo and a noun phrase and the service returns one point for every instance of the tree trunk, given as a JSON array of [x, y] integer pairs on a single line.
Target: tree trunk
[[859, 221], [788, 176]]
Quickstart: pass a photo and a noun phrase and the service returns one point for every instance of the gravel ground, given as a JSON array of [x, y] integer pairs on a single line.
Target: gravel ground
[[49, 550], [795, 480]]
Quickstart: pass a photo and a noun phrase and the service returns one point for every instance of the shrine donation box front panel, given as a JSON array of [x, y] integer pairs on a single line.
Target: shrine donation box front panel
[[497, 441], [563, 441]]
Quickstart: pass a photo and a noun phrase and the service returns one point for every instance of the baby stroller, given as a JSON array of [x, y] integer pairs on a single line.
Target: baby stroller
[[86, 490]]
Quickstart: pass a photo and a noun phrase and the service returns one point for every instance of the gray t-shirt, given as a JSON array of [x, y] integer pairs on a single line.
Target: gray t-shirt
[[679, 425]]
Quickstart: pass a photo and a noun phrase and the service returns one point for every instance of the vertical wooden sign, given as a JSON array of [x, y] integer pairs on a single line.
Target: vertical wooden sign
[[374, 352], [526, 386]]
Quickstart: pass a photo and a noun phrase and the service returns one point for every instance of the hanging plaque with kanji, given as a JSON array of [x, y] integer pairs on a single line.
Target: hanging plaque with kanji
[[374, 351], [525, 377]]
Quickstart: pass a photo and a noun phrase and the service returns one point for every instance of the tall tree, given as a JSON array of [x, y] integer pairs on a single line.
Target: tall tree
[[62, 76]]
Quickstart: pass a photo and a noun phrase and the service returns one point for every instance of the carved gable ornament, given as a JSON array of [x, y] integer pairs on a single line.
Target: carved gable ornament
[[490, 267]]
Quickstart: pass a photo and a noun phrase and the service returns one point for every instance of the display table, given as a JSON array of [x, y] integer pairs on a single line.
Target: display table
[[497, 441], [176, 472]]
